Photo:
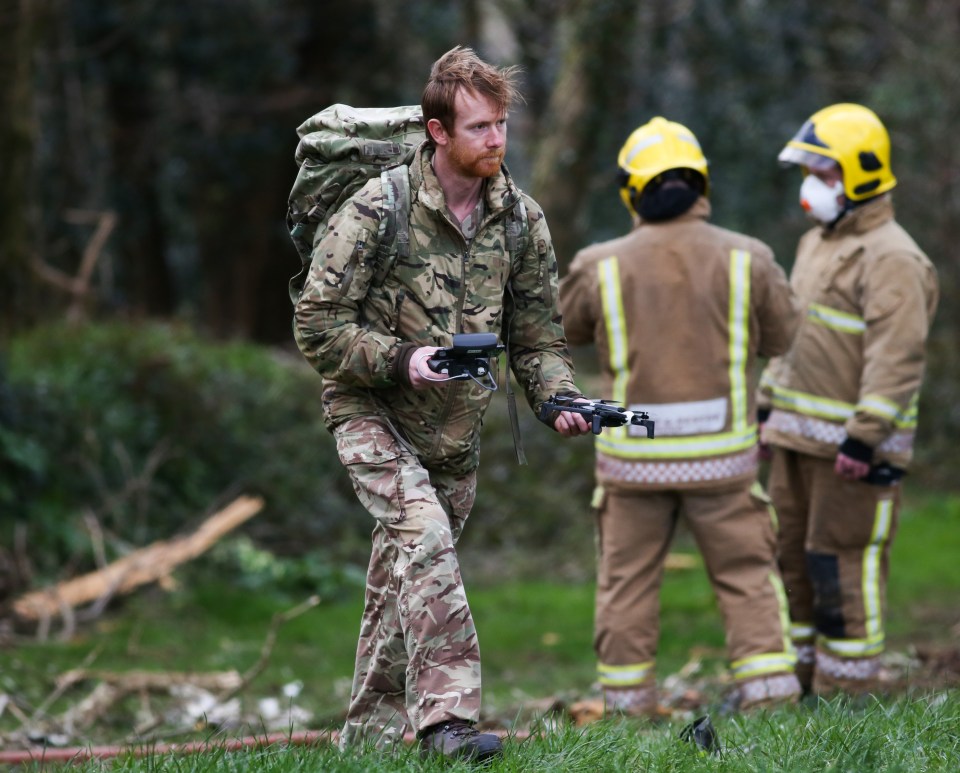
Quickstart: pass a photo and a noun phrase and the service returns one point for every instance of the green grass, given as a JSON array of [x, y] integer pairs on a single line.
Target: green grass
[[910, 734], [924, 584], [535, 638]]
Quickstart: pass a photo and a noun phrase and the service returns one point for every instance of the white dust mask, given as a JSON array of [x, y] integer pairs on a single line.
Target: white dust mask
[[819, 200]]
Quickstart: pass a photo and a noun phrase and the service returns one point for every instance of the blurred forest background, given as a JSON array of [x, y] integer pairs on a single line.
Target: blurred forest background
[[146, 152]]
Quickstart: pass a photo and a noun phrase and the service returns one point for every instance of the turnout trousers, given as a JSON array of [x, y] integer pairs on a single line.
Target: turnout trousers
[[735, 534], [834, 541], [418, 661]]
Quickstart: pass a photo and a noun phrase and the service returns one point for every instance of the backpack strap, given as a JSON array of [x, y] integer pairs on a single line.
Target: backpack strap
[[394, 233], [517, 237], [518, 234]]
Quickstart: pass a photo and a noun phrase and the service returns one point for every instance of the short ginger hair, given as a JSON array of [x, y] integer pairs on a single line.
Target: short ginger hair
[[461, 68]]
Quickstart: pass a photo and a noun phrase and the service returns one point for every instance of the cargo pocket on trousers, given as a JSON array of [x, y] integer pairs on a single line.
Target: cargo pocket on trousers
[[376, 476]]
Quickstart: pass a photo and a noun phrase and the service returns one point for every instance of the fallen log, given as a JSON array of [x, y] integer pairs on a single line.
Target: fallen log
[[136, 681], [146, 565], [48, 754]]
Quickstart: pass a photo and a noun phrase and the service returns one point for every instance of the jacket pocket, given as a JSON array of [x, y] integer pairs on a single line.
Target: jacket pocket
[[537, 381], [358, 261], [542, 257], [839, 282]]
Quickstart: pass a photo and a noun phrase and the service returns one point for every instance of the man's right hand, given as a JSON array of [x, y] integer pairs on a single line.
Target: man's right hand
[[571, 424], [421, 377], [849, 468]]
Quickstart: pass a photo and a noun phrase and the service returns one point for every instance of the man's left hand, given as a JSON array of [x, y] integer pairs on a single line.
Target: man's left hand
[[849, 468]]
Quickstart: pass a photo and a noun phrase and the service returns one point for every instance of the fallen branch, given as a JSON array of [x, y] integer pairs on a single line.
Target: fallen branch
[[81, 753], [240, 683], [141, 567], [85, 713], [252, 742], [78, 287], [135, 681], [266, 648], [114, 686], [41, 710]]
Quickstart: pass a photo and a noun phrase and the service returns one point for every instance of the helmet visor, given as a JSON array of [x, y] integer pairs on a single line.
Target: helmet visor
[[793, 155]]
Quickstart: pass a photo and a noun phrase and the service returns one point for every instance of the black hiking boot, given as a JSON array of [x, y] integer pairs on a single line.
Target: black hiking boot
[[457, 739]]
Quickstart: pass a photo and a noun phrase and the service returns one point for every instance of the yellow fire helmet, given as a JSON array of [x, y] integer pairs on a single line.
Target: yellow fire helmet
[[851, 136], [656, 147]]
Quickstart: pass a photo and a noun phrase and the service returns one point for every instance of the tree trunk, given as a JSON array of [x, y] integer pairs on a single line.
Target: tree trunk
[[589, 89], [17, 286]]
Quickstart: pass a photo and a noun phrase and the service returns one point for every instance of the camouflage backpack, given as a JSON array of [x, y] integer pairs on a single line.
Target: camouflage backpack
[[340, 148], [343, 147]]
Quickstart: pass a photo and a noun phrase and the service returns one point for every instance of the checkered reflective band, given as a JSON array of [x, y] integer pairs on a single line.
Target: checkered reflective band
[[900, 442], [859, 669], [718, 468]]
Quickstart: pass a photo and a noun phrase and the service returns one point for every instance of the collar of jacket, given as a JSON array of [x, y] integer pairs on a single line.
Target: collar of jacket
[[864, 218], [501, 193], [700, 210]]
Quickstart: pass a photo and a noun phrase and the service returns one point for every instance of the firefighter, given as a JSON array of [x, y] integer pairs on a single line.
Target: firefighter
[[844, 397], [679, 310]]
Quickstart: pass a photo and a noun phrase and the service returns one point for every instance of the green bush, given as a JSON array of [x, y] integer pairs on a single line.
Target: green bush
[[532, 520], [149, 427]]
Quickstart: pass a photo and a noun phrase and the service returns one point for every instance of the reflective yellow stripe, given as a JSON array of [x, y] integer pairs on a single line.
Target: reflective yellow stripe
[[624, 676], [811, 405], [739, 335], [873, 607], [616, 324], [688, 446], [758, 665], [757, 491], [853, 648], [781, 593], [836, 320], [909, 417], [889, 410], [766, 380], [800, 632], [837, 410], [597, 499]]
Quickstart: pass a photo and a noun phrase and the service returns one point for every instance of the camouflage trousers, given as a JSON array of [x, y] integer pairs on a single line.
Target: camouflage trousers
[[418, 661]]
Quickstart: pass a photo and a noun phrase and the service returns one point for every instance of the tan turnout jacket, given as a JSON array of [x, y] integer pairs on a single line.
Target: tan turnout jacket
[[855, 368], [679, 312]]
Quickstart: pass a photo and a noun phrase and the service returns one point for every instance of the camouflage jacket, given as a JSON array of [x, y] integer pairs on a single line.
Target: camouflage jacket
[[355, 332]]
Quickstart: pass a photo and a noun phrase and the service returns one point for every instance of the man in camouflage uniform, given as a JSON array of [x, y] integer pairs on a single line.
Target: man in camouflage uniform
[[408, 438]]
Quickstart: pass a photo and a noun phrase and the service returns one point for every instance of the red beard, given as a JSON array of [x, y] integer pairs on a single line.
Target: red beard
[[484, 164]]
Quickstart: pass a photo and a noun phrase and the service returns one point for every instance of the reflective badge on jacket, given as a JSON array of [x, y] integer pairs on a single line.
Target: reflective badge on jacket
[[698, 417]]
